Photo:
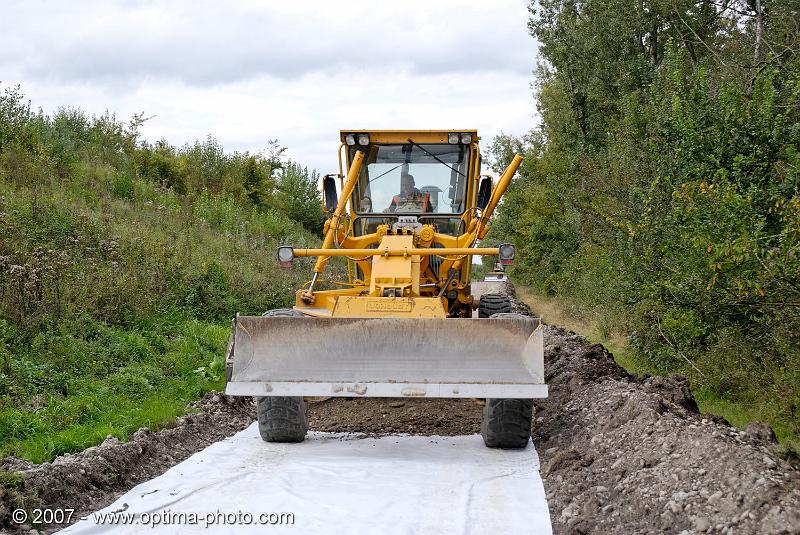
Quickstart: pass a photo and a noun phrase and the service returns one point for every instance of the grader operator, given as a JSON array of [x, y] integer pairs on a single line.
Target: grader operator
[[402, 323]]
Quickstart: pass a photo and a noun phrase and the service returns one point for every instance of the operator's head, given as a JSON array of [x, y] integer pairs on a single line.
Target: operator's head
[[406, 184]]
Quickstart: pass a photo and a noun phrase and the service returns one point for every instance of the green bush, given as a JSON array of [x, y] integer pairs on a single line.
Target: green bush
[[121, 265], [122, 187]]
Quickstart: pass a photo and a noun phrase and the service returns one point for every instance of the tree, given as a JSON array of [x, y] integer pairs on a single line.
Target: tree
[[662, 188], [299, 197]]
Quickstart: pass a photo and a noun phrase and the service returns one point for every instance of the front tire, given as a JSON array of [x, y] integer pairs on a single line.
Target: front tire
[[282, 418], [506, 423]]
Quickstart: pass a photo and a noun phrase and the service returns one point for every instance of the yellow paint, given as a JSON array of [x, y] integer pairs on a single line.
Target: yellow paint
[[397, 281], [333, 224], [497, 193], [382, 250], [401, 136], [389, 307], [398, 273]]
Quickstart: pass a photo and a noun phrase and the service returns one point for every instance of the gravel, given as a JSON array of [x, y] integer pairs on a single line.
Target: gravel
[[378, 416], [627, 455]]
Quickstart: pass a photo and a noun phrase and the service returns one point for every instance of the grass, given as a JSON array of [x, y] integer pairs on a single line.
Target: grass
[[596, 329], [150, 392], [115, 309], [120, 417], [121, 265], [129, 319]]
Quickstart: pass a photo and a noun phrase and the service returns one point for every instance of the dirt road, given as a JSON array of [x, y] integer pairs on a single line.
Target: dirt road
[[619, 454]]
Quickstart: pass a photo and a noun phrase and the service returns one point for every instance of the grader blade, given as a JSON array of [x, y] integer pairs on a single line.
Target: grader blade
[[386, 357]]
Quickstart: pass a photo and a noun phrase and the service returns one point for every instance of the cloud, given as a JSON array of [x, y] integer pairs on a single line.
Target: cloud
[[251, 71], [209, 42]]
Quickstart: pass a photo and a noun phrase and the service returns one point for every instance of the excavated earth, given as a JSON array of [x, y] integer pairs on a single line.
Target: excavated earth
[[619, 454]]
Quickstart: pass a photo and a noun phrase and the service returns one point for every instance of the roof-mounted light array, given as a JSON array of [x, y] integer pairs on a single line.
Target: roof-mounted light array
[[352, 139], [454, 138]]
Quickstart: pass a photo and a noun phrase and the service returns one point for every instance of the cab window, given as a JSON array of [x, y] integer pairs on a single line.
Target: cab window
[[411, 178]]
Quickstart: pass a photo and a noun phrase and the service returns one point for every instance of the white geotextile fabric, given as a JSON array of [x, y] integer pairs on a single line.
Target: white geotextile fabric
[[337, 483]]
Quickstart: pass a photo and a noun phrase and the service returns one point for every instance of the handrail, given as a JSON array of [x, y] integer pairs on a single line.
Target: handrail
[[386, 251]]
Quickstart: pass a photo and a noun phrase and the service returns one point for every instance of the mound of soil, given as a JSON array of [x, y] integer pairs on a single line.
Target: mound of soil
[[97, 476], [377, 416], [626, 456]]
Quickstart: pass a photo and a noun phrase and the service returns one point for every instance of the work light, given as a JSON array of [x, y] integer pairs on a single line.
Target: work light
[[285, 256], [452, 138], [350, 139], [507, 254], [466, 139], [363, 139]]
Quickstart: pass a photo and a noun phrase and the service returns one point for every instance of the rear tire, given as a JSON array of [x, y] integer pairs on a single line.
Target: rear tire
[[506, 423], [282, 418], [493, 304]]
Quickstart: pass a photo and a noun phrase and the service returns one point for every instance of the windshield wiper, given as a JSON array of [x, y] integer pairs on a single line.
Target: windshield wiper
[[386, 173], [437, 158]]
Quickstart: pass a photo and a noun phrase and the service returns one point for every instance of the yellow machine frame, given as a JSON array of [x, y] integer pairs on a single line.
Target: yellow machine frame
[[396, 282]]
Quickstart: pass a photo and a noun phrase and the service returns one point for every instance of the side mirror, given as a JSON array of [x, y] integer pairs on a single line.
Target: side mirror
[[484, 192], [330, 199]]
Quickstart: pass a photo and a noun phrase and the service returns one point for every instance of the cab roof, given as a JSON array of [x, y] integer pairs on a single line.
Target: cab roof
[[402, 136]]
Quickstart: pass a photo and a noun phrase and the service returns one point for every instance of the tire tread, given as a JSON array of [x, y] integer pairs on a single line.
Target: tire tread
[[282, 418], [506, 423], [496, 303]]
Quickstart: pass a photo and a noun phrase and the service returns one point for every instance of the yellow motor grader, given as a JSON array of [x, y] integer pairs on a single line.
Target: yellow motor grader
[[412, 209]]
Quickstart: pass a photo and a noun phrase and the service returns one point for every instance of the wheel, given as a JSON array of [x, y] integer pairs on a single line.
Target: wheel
[[493, 304], [506, 423], [282, 418]]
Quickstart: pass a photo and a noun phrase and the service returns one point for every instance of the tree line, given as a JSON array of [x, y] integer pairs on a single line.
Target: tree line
[[661, 189], [35, 146]]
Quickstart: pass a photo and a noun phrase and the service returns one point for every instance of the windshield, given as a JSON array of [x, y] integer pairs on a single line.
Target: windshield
[[412, 179]]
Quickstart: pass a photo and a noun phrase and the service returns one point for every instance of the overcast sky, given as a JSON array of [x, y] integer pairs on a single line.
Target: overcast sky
[[249, 71]]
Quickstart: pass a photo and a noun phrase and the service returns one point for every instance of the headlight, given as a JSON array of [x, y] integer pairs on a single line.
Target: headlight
[[466, 139], [507, 254], [363, 139], [285, 256], [350, 139], [452, 138]]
